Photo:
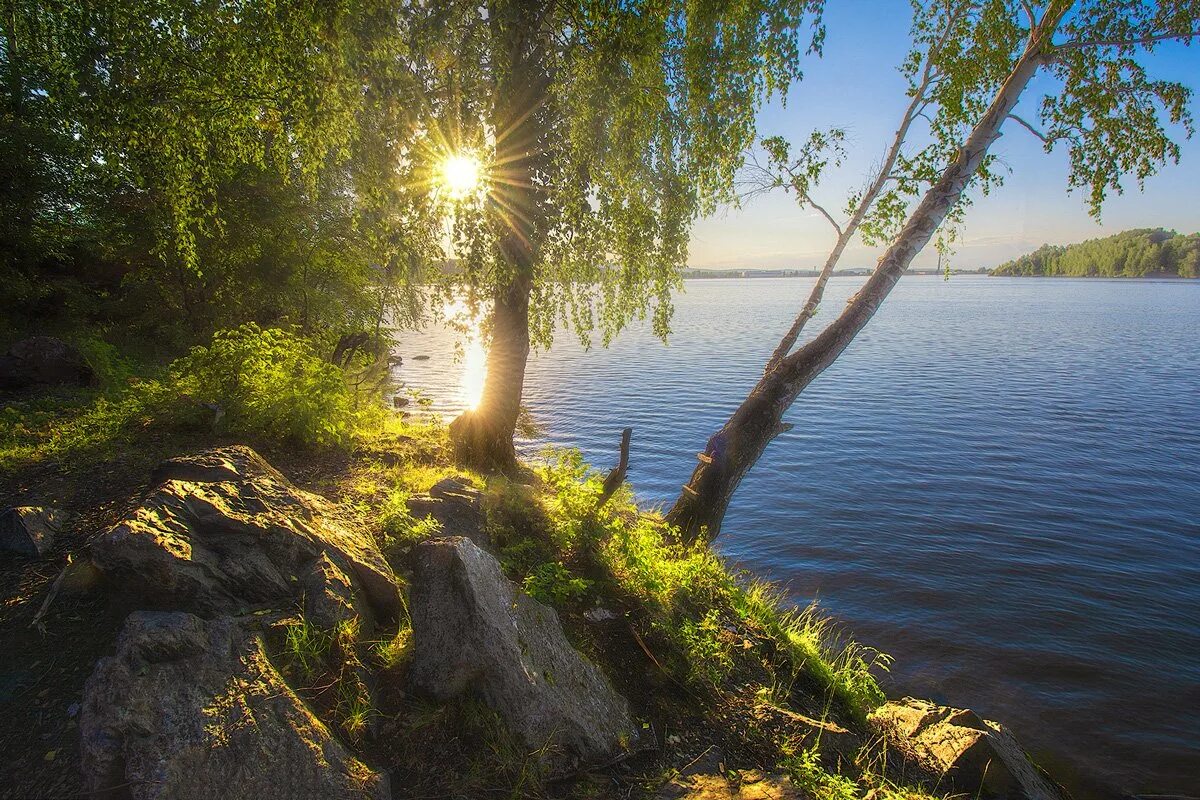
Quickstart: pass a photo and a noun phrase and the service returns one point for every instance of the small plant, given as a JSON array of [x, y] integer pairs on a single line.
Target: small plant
[[814, 781], [707, 648], [306, 646], [391, 653], [552, 583], [400, 527], [354, 707]]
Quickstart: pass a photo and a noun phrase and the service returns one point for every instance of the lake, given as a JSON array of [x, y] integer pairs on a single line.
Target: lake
[[998, 484]]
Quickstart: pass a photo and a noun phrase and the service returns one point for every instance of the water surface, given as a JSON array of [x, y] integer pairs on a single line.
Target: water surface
[[998, 484]]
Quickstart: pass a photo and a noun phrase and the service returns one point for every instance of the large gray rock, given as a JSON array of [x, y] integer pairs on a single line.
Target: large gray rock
[[963, 750], [473, 631], [44, 360], [190, 709], [224, 532], [28, 530]]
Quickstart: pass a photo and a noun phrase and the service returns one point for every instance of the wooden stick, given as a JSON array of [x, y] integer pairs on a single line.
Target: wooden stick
[[617, 476], [54, 587]]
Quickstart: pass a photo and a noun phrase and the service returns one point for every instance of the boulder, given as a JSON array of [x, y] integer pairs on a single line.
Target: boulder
[[224, 532], [458, 508], [44, 360], [963, 750], [473, 631], [28, 530], [190, 709]]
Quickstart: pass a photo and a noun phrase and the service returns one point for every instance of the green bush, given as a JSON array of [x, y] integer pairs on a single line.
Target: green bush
[[552, 583], [268, 383]]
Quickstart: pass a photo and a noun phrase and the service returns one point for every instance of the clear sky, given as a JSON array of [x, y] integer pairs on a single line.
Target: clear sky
[[856, 86]]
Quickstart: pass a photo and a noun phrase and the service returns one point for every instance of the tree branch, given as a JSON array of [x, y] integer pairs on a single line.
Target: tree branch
[[1145, 40], [617, 476], [1030, 128], [824, 213]]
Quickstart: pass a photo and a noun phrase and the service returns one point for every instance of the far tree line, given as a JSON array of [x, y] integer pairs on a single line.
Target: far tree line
[[1131, 254], [174, 168]]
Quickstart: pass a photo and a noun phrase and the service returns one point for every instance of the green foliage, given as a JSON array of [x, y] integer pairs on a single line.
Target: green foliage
[[267, 383], [814, 781], [709, 653], [647, 109], [1130, 254], [391, 653], [306, 647], [183, 167], [844, 668], [552, 583], [694, 600], [399, 526], [353, 706], [262, 384], [55, 427]]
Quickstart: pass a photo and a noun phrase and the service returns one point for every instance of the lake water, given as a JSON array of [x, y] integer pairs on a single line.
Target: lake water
[[998, 484]]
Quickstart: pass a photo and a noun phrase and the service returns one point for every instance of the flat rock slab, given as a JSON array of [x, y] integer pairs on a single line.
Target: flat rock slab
[[28, 530], [962, 749], [743, 785], [473, 631], [224, 532], [458, 508], [190, 709]]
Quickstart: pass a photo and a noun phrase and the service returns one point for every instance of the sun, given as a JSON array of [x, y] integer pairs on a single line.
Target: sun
[[460, 174]]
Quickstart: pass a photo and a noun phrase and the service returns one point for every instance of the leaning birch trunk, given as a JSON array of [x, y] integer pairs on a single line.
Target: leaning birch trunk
[[701, 506]]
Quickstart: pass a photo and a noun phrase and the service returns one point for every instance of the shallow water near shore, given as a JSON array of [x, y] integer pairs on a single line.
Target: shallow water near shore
[[998, 484]]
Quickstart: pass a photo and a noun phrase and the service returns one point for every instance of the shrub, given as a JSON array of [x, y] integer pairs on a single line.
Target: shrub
[[400, 527], [554, 584], [265, 382]]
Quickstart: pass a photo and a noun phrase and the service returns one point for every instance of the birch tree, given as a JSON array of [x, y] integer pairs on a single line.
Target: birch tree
[[1108, 113], [602, 130]]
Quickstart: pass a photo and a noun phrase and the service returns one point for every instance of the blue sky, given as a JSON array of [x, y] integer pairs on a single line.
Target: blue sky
[[856, 86]]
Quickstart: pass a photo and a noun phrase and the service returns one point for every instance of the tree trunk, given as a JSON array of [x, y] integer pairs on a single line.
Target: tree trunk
[[483, 437], [700, 507]]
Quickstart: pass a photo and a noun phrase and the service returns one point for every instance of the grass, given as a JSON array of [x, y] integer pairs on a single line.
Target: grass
[[306, 647], [394, 652], [399, 526], [708, 613]]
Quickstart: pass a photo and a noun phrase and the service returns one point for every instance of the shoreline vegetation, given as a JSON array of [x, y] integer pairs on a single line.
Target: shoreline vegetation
[[147, 474], [1140, 253]]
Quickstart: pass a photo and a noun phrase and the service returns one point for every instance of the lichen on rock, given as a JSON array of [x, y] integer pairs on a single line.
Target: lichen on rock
[[192, 709]]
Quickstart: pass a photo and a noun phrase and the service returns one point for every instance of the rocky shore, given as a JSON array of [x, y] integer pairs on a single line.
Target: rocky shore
[[270, 642]]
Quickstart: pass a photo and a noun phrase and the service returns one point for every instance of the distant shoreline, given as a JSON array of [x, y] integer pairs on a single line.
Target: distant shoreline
[[699, 274], [1156, 276]]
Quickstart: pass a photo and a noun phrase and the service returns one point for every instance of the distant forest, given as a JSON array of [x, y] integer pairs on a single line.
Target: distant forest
[[1147, 252]]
